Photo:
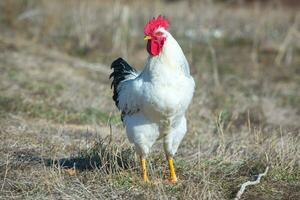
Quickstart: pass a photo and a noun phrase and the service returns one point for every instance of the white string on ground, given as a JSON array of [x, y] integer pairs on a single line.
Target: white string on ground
[[248, 183]]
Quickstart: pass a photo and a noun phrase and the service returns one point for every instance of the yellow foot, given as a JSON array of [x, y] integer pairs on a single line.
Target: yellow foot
[[146, 179], [173, 180], [144, 170], [173, 177]]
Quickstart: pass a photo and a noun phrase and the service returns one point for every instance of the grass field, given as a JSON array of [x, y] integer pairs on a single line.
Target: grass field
[[61, 136]]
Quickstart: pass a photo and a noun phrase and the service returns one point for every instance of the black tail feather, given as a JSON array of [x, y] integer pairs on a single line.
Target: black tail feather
[[121, 72]]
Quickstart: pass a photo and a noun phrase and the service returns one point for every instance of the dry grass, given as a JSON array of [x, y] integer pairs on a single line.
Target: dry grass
[[61, 136]]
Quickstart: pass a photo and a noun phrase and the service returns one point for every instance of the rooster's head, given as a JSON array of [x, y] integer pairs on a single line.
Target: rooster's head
[[155, 31]]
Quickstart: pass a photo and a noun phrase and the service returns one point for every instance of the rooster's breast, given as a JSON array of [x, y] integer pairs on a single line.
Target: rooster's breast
[[168, 97]]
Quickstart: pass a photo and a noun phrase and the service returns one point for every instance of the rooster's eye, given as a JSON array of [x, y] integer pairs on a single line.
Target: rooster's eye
[[158, 33]]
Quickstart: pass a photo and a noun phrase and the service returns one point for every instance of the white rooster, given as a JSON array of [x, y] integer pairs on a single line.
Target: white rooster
[[154, 102]]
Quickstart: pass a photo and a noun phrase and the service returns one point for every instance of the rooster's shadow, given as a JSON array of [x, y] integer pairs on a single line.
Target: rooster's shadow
[[108, 162]]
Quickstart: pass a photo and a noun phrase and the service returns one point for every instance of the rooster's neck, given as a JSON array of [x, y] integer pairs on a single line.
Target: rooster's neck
[[169, 61]]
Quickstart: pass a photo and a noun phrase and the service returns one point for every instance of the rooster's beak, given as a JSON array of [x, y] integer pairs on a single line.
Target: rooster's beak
[[147, 37]]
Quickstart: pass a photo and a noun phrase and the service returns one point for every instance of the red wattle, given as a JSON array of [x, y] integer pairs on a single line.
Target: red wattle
[[154, 47]]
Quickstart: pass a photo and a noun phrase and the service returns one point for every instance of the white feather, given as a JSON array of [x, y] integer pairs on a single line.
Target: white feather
[[159, 98]]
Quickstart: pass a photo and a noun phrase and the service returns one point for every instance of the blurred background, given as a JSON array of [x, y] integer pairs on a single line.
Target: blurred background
[[55, 95], [229, 44]]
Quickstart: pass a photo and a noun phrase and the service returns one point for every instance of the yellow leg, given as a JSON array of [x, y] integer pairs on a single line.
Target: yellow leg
[[173, 178], [144, 169]]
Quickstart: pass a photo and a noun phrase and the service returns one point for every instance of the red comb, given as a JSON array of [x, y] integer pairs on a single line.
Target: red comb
[[154, 23]]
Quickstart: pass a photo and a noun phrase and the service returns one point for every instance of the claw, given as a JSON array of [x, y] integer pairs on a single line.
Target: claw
[[173, 180]]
